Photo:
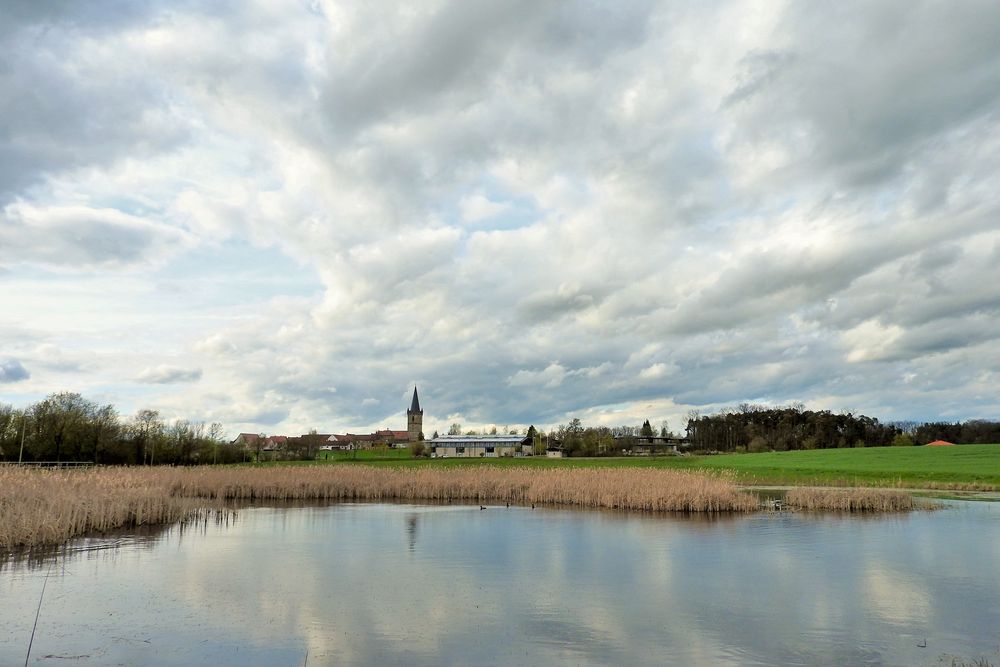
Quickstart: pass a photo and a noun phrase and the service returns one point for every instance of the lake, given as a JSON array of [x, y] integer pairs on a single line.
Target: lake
[[383, 584]]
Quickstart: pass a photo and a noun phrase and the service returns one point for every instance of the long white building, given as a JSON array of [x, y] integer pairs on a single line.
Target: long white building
[[449, 446]]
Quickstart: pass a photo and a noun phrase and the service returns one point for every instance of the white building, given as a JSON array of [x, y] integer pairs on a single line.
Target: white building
[[449, 446]]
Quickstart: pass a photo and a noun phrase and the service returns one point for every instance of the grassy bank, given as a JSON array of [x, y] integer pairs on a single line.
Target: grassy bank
[[973, 467], [965, 467]]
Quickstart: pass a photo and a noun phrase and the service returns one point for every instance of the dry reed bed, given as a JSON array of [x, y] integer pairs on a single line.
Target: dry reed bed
[[850, 500], [50, 506], [616, 488]]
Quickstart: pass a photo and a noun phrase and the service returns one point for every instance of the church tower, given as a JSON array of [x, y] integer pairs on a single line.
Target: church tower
[[414, 419]]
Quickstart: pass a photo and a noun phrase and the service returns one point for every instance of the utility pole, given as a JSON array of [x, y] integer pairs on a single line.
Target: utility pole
[[20, 456]]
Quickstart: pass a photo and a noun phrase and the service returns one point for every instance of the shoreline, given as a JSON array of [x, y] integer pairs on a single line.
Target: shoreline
[[917, 491], [46, 507]]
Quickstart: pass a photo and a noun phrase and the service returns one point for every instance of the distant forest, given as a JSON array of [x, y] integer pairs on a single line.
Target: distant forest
[[757, 428], [972, 432], [68, 427]]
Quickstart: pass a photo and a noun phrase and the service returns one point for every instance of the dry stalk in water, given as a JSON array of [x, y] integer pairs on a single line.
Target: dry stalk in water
[[850, 500]]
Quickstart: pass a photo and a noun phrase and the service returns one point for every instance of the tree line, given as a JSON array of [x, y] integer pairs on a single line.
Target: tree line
[[68, 427], [971, 432], [758, 428]]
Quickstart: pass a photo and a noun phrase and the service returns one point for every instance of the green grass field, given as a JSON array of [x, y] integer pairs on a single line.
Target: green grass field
[[963, 466]]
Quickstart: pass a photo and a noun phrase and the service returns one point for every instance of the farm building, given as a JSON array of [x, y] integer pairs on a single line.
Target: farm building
[[448, 446], [645, 445], [940, 443]]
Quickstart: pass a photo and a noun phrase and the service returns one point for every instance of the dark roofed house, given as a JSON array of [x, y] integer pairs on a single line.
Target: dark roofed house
[[245, 440], [275, 443], [392, 438], [349, 441]]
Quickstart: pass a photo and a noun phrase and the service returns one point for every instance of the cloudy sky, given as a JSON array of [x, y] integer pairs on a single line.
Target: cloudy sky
[[283, 215]]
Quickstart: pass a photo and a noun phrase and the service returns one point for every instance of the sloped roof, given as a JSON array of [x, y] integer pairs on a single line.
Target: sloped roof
[[415, 403], [940, 443], [477, 440], [351, 437]]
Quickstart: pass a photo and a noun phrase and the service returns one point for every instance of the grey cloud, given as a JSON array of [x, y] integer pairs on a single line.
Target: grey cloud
[[417, 119], [268, 417], [65, 108], [933, 260], [940, 336], [168, 375], [445, 47], [704, 214], [11, 370], [82, 238], [865, 88], [553, 304], [450, 54], [759, 70]]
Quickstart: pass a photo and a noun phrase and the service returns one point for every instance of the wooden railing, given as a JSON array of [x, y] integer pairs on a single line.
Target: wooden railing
[[54, 464]]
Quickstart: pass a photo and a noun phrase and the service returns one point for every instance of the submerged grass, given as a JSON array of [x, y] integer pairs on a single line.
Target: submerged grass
[[41, 507]]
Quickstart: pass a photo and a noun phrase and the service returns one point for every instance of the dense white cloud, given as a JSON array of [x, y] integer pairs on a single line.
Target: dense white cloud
[[533, 210], [477, 207]]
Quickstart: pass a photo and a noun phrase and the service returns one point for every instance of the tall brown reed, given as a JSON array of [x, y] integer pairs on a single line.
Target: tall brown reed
[[850, 500], [48, 506], [657, 490]]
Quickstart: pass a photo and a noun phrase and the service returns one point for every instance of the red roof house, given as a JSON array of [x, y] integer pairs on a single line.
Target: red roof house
[[940, 443]]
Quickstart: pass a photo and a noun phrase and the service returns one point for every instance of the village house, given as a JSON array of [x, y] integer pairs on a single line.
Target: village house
[[386, 437], [351, 441], [343, 441], [245, 440]]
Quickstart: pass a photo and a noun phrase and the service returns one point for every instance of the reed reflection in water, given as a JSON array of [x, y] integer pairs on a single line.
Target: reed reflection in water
[[420, 584]]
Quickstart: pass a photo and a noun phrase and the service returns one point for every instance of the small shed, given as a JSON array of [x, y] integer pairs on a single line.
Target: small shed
[[940, 443]]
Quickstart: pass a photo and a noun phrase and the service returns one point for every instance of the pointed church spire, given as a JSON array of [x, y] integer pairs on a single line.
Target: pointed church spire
[[415, 404]]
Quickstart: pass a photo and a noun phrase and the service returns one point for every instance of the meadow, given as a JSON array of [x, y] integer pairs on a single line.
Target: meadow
[[963, 467]]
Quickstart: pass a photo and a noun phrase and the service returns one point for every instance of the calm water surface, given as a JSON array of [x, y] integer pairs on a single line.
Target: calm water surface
[[429, 585]]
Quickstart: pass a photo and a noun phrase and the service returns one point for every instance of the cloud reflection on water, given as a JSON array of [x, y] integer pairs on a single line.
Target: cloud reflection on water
[[378, 584]]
